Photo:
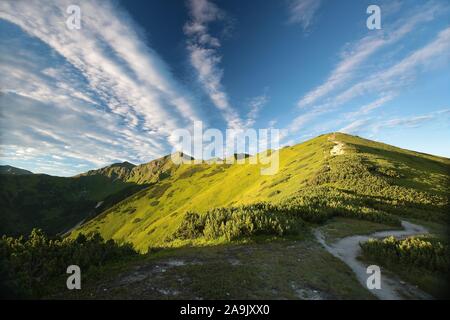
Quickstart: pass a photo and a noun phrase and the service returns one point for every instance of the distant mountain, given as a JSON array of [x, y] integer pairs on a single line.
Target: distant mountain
[[13, 170], [119, 171], [55, 204], [149, 172]]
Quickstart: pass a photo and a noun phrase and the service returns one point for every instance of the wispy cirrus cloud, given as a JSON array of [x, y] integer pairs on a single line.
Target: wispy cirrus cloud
[[354, 126], [357, 53], [45, 119], [369, 107], [403, 72], [374, 125], [204, 55], [385, 82], [411, 121], [303, 12], [255, 104], [104, 77]]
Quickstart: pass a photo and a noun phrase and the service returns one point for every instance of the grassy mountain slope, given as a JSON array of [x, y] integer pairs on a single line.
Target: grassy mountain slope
[[13, 170], [120, 171], [151, 172], [54, 204], [335, 173]]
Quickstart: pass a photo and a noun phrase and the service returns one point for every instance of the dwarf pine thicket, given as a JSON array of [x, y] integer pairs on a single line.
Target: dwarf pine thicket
[[425, 253], [286, 217], [28, 265], [236, 222], [423, 261]]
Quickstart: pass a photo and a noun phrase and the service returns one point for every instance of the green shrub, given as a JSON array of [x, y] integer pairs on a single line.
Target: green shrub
[[317, 204], [236, 222], [381, 186], [29, 264], [192, 226], [413, 252]]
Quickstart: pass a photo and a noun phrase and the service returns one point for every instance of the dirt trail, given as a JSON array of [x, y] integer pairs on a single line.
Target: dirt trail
[[338, 149], [347, 249]]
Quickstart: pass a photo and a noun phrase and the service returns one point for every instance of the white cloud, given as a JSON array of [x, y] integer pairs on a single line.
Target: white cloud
[[255, 104], [303, 12], [363, 49], [411, 121], [119, 66], [408, 122], [367, 108], [384, 82], [108, 95], [403, 72], [354, 126], [300, 121], [205, 59], [375, 124]]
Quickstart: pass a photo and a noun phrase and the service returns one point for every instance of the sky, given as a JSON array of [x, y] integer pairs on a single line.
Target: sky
[[136, 71]]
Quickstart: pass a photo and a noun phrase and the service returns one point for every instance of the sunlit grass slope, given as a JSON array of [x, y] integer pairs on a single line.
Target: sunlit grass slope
[[375, 175]]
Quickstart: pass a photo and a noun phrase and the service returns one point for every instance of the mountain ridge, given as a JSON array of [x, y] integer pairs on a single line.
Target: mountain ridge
[[205, 186], [366, 168], [7, 169]]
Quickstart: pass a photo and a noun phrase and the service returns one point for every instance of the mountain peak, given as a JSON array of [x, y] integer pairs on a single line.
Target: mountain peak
[[124, 164], [178, 155]]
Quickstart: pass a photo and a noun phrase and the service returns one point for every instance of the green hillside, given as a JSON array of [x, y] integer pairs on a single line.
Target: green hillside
[[116, 171], [13, 170], [54, 204], [331, 175], [151, 172]]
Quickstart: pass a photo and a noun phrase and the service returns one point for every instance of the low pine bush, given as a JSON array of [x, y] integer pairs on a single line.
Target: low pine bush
[[414, 252], [27, 265]]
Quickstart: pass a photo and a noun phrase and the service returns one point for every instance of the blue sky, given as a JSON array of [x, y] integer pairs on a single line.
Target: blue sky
[[115, 90]]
